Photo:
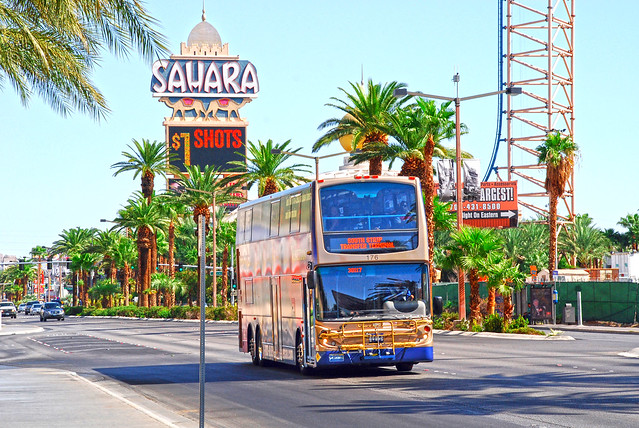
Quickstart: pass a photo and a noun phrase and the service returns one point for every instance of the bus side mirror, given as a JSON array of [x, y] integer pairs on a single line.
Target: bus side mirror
[[310, 280], [438, 305]]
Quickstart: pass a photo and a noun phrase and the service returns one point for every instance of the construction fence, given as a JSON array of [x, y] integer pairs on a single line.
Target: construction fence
[[601, 301]]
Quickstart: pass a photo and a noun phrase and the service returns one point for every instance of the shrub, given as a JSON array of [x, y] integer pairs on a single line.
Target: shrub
[[73, 310], [520, 322], [445, 321], [494, 323], [526, 330]]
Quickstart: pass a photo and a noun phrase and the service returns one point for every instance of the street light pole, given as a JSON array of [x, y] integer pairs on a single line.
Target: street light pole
[[402, 92], [315, 158]]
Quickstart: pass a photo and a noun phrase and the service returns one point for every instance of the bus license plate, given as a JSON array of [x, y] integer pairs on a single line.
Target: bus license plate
[[375, 338]]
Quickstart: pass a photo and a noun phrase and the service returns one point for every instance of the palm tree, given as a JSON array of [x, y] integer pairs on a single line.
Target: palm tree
[[125, 256], [366, 118], [162, 283], [582, 243], [525, 245], [470, 250], [39, 252], [145, 219], [82, 264], [147, 159], [225, 241], [264, 167], [174, 209], [631, 222], [51, 48], [105, 290], [558, 154], [201, 190], [504, 276], [105, 243], [73, 242], [418, 130]]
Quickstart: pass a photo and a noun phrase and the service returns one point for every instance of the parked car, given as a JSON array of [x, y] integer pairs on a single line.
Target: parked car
[[51, 310], [21, 307], [27, 309], [35, 309], [8, 309]]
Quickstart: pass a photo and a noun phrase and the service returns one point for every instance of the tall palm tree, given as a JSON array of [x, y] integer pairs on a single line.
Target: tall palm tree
[[52, 47], [225, 240], [366, 118], [470, 250], [418, 130], [558, 154], [144, 219], [631, 222], [201, 188], [125, 256], [264, 167], [73, 242], [147, 159], [105, 243], [39, 252], [174, 209]]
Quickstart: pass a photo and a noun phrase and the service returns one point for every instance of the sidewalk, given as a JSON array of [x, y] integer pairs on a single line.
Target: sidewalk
[[588, 328], [60, 398]]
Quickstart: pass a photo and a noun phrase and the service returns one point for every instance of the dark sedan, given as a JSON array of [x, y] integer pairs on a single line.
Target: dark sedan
[[51, 310]]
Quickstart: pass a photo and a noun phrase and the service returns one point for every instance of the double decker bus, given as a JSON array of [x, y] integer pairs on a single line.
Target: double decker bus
[[335, 272]]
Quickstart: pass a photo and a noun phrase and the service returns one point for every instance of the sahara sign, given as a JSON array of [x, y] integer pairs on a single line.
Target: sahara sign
[[496, 206], [204, 78]]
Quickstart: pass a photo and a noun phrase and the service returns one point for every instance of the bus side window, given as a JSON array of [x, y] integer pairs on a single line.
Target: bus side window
[[275, 219], [295, 213], [305, 219], [248, 291], [248, 222]]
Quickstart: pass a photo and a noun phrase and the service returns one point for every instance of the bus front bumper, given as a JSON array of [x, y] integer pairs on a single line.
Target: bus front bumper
[[375, 357]]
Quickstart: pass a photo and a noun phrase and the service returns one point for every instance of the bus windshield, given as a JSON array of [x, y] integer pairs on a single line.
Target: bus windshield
[[368, 206], [371, 291]]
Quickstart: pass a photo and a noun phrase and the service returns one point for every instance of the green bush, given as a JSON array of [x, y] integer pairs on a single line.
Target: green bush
[[526, 330], [494, 323], [519, 322], [445, 321], [73, 310]]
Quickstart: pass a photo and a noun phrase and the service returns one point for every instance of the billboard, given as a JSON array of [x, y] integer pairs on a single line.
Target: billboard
[[495, 207], [206, 145]]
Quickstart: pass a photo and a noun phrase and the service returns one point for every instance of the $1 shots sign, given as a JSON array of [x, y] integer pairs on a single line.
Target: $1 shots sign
[[206, 145]]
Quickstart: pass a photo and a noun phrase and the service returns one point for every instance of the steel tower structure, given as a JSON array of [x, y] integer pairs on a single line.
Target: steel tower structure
[[540, 60]]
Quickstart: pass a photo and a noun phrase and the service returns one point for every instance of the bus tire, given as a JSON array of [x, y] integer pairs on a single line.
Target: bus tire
[[299, 357], [253, 348], [404, 367], [259, 350]]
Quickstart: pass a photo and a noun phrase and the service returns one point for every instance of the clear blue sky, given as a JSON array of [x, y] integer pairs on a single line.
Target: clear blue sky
[[57, 170]]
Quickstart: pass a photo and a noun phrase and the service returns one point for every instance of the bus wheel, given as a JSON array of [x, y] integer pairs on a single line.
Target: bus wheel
[[404, 367], [253, 350], [299, 357], [259, 350]]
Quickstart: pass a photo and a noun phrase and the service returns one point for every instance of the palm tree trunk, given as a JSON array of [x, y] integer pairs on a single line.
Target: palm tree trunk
[[144, 262], [552, 222], [491, 301], [475, 312], [125, 284], [508, 307], [225, 279], [375, 166], [428, 187]]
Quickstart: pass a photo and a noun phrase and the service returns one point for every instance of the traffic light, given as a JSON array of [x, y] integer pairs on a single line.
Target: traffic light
[[180, 267], [21, 264], [49, 264]]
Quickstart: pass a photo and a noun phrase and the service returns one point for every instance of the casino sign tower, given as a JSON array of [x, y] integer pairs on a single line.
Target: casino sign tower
[[205, 87]]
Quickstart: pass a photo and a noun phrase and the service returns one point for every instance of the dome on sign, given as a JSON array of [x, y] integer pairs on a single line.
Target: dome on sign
[[204, 34]]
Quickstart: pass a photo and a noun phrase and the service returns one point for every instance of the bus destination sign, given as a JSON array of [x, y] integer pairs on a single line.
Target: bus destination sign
[[206, 145]]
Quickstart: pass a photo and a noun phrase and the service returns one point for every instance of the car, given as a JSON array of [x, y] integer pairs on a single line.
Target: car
[[27, 309], [21, 307], [8, 309], [35, 309], [51, 310]]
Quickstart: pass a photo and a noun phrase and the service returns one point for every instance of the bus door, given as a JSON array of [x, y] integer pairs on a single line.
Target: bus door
[[309, 324], [276, 310]]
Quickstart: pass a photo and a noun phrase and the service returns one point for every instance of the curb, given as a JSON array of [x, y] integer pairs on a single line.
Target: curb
[[558, 336], [13, 332], [154, 319]]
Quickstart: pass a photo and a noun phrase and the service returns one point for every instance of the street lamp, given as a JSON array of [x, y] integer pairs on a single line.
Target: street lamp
[[402, 92], [316, 158]]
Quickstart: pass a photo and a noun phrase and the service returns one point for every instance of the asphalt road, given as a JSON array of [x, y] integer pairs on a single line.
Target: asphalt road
[[475, 381]]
